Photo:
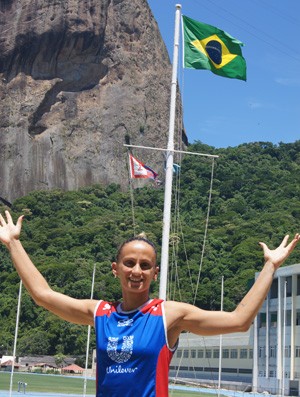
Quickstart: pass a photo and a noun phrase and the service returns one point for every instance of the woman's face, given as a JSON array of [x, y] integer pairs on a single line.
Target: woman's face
[[136, 266]]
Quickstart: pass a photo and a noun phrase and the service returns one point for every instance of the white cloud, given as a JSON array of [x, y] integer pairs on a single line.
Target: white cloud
[[288, 82], [255, 105]]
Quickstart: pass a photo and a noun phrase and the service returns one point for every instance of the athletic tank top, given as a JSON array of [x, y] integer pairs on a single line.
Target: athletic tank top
[[133, 356]]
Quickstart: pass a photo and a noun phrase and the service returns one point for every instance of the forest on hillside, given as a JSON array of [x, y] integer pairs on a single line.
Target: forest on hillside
[[254, 197]]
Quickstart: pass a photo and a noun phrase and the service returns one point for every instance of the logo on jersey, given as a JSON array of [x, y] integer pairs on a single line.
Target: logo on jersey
[[126, 349], [125, 323]]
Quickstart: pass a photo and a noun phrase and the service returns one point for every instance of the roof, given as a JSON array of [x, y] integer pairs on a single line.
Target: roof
[[6, 358], [9, 363], [49, 360], [73, 367], [43, 365]]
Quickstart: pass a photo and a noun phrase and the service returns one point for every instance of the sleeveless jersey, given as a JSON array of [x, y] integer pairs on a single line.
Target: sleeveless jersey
[[133, 356]]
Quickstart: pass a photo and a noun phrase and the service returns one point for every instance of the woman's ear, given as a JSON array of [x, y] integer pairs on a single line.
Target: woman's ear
[[114, 269], [156, 273]]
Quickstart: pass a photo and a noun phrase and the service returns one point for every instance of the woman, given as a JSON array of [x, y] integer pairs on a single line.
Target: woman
[[137, 337]]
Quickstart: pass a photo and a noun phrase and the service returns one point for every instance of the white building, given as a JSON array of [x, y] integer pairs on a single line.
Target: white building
[[268, 356], [198, 359], [276, 351]]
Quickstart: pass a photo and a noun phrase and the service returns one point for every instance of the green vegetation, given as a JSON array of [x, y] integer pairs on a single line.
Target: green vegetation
[[255, 198]]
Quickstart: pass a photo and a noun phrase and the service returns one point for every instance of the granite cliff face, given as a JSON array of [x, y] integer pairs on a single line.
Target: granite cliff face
[[78, 79]]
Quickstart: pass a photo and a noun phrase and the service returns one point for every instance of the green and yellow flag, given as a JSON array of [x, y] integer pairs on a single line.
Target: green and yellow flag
[[207, 47]]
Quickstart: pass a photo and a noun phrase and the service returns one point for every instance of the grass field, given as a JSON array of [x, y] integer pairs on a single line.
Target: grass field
[[46, 383], [67, 385]]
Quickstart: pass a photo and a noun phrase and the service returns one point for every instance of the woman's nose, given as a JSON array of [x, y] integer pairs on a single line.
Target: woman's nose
[[136, 269]]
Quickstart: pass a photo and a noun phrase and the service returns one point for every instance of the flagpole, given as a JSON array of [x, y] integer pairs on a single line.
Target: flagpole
[[15, 339], [221, 340], [88, 337], [169, 166]]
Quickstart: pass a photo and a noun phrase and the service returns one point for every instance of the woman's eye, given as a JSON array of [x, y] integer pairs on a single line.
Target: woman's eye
[[145, 265], [129, 263]]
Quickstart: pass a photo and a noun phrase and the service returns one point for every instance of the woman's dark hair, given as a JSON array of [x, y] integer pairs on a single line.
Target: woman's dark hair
[[139, 237]]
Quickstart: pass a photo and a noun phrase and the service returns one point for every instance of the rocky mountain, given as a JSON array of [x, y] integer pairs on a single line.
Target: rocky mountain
[[78, 79]]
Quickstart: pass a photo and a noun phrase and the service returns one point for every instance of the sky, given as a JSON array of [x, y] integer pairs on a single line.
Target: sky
[[223, 112]]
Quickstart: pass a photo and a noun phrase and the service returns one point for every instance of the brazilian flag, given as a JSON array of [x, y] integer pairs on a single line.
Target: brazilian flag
[[207, 47]]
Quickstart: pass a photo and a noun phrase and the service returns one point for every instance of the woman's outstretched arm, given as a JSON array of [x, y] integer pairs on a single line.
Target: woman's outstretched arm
[[79, 311], [182, 316]]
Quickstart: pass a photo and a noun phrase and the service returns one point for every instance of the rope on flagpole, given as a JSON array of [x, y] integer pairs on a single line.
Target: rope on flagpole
[[131, 198], [206, 228], [132, 207]]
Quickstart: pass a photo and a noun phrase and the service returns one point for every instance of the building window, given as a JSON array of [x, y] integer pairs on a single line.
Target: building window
[[274, 289], [211, 369], [185, 353], [207, 353], [216, 353], [288, 318], [288, 286], [297, 352], [230, 370], [233, 353], [200, 354], [273, 351], [250, 353], [245, 371], [298, 284], [261, 352], [287, 351], [179, 353], [262, 320], [193, 353], [273, 319], [225, 353], [243, 353], [195, 368]]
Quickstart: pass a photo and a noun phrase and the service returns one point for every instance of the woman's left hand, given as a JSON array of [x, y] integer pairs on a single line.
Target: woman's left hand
[[279, 255]]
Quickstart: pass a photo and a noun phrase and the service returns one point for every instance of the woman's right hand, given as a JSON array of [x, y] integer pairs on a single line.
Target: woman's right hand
[[8, 230]]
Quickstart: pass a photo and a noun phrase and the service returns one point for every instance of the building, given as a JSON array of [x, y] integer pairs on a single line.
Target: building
[[276, 350], [6, 363], [268, 356], [198, 359], [42, 363]]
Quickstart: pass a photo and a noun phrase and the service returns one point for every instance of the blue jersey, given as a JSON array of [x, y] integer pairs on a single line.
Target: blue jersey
[[133, 356]]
